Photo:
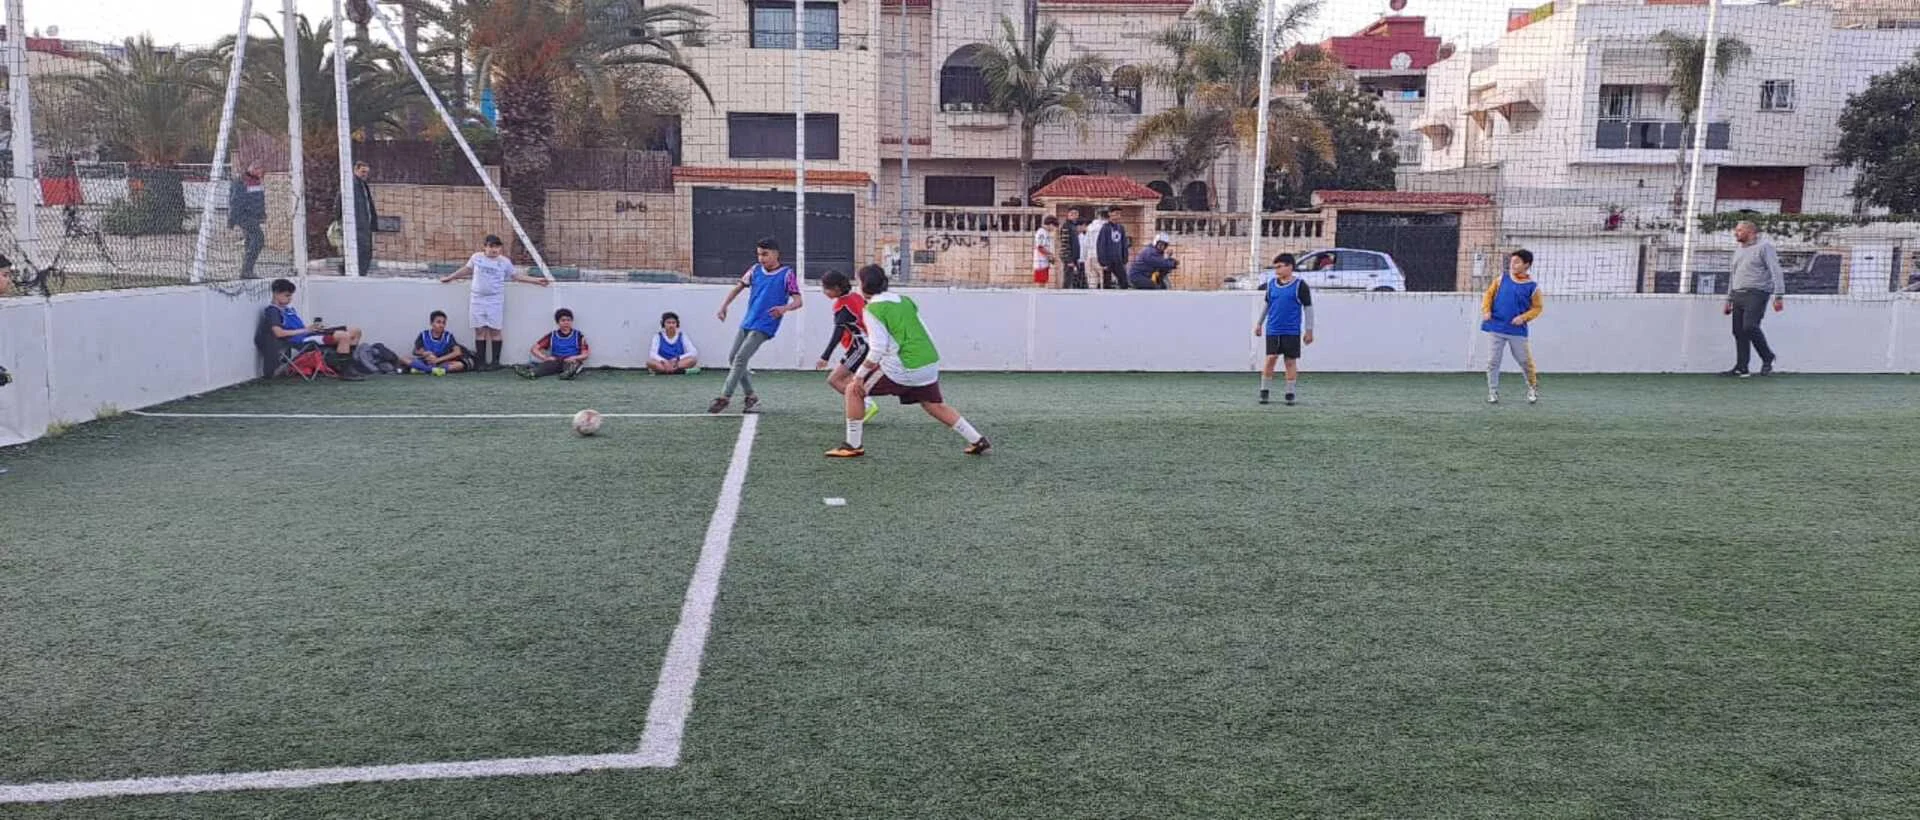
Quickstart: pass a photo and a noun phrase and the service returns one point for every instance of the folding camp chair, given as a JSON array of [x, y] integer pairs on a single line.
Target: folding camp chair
[[283, 356]]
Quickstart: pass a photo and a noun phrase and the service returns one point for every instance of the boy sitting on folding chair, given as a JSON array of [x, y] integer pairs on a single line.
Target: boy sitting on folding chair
[[284, 322]]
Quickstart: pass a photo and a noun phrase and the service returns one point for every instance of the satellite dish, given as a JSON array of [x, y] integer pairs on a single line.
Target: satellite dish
[[1398, 5], [53, 31]]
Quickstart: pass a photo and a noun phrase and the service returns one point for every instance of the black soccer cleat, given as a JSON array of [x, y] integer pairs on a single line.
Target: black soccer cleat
[[1288, 399], [1263, 398], [978, 448]]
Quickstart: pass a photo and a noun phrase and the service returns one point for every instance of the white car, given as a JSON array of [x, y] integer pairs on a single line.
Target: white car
[[1337, 269]]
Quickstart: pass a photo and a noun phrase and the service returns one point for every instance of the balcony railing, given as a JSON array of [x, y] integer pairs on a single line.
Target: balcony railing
[[1272, 226], [816, 40], [1658, 134], [982, 220]]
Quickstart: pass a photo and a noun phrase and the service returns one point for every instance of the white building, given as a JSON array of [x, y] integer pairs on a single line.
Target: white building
[[1571, 116]]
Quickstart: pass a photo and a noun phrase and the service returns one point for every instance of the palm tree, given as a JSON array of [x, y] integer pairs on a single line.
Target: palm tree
[[1686, 67], [154, 105], [378, 92], [1216, 75], [452, 25], [526, 48], [1033, 85]]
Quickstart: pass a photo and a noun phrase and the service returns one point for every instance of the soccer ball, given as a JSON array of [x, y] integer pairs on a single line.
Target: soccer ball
[[586, 422]]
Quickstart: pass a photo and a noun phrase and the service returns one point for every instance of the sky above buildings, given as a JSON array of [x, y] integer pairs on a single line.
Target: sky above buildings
[[205, 21]]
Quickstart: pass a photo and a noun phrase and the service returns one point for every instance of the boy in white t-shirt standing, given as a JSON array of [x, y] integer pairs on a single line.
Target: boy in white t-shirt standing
[[1043, 256], [491, 270]]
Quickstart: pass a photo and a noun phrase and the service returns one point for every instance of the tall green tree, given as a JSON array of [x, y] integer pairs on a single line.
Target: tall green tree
[[528, 49], [1880, 136], [1217, 51], [153, 106], [1365, 149], [1686, 70], [1035, 85], [378, 92]]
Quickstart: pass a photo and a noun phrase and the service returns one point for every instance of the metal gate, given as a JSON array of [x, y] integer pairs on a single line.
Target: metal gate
[[727, 222], [1427, 246]]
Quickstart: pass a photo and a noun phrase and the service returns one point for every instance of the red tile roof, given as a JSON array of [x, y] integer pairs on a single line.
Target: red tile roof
[[1401, 198], [1112, 189], [769, 176]]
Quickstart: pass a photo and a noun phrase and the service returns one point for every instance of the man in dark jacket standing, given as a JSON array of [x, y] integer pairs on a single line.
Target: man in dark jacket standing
[[365, 216], [1113, 248], [1070, 250], [247, 210]]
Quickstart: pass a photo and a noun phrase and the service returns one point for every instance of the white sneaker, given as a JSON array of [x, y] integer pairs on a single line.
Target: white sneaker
[[1533, 394], [1493, 397]]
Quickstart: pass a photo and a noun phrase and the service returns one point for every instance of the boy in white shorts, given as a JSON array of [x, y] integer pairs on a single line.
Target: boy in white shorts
[[491, 270]]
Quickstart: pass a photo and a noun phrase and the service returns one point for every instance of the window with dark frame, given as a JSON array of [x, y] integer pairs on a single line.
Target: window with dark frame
[[770, 136], [967, 192], [771, 25], [1776, 95]]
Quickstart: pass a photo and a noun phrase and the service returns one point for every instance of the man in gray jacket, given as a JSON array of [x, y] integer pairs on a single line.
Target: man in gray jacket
[[1756, 275], [247, 210]]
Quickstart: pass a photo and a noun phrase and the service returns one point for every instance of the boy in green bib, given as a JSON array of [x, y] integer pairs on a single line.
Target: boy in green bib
[[903, 363]]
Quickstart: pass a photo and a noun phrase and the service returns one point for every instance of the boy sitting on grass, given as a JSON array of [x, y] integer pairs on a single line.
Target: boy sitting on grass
[[563, 351], [672, 352], [436, 351]]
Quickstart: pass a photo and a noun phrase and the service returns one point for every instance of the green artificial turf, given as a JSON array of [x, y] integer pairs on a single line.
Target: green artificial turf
[[1646, 596]]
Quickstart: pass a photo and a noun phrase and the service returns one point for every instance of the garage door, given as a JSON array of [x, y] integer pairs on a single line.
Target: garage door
[[1583, 264]]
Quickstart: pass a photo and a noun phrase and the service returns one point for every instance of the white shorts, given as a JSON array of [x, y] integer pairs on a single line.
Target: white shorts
[[488, 312]]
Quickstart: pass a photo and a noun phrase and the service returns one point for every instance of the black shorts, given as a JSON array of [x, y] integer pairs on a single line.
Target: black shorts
[[1288, 346], [856, 355], [879, 385]]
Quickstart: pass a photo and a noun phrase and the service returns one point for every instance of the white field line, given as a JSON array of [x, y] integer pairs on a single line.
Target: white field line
[[673, 695], [307, 778], [659, 745], [420, 415]]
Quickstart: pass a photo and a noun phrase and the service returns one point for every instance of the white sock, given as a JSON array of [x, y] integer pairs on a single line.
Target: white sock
[[855, 429], [1266, 383], [1290, 383], [966, 431]]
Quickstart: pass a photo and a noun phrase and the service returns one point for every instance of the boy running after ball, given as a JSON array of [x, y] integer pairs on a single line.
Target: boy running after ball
[[1511, 304], [1287, 322], [903, 363], [773, 292], [849, 331]]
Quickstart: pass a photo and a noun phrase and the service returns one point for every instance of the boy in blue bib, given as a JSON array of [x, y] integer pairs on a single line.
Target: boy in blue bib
[[672, 352], [562, 352], [774, 291], [436, 351], [1509, 306]]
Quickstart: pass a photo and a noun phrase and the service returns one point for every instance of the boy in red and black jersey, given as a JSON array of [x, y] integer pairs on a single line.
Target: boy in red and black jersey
[[849, 332]]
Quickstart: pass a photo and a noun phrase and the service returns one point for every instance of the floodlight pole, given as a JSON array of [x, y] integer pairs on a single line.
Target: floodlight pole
[[217, 172], [1691, 216], [800, 139], [1260, 135], [905, 266], [296, 134], [453, 127], [25, 198], [349, 220]]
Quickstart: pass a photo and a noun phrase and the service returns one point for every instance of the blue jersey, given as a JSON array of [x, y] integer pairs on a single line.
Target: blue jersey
[[1510, 299], [674, 348], [565, 346], [438, 347], [1284, 307], [767, 291], [290, 319]]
